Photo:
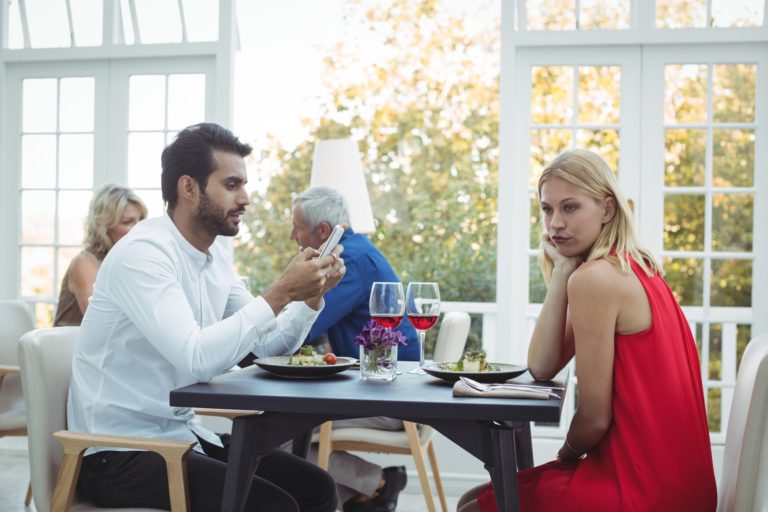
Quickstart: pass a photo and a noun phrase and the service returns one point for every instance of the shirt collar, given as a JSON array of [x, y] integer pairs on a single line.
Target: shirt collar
[[199, 258]]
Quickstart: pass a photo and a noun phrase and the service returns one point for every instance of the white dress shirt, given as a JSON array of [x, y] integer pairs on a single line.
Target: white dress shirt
[[164, 315]]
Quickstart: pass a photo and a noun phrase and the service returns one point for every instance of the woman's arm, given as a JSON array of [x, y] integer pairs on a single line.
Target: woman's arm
[[82, 275], [594, 300], [552, 342]]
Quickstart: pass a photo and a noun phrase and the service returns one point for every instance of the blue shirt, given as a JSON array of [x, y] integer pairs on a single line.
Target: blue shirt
[[346, 305]]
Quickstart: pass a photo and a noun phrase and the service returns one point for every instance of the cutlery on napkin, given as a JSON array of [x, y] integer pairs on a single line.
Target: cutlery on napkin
[[469, 387]]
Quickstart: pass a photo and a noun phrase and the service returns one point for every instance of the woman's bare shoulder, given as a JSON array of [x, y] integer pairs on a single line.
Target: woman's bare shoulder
[[596, 275]]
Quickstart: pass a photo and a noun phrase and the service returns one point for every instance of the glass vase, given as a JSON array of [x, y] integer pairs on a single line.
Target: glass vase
[[378, 363]]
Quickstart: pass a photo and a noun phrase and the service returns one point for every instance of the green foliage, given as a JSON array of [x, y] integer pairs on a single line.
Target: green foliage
[[425, 114]]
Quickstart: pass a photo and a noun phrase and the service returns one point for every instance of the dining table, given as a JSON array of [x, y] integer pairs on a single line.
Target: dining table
[[277, 409]]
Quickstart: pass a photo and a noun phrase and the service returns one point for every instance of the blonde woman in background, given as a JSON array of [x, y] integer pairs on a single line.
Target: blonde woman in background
[[113, 211]]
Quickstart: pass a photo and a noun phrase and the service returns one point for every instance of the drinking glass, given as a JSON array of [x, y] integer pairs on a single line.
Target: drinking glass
[[386, 304], [422, 306]]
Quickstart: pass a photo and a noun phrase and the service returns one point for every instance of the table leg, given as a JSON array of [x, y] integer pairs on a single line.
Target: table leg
[[241, 464], [503, 468], [524, 445], [301, 444]]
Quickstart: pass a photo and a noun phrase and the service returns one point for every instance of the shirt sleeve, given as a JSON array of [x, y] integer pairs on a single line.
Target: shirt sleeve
[[144, 284]]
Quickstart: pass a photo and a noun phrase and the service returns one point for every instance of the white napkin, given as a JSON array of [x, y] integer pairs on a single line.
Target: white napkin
[[461, 389]]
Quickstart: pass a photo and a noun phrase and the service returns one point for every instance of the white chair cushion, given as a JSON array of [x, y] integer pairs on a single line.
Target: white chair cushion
[[368, 435]]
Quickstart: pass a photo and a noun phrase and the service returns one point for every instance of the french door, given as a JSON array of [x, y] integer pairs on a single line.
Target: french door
[[69, 128]]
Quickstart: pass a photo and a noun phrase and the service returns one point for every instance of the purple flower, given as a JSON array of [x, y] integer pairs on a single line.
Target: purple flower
[[374, 336]]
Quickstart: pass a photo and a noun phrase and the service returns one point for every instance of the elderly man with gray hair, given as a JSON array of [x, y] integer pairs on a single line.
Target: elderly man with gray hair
[[362, 486]]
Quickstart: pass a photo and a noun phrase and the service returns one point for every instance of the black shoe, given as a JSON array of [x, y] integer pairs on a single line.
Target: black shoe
[[395, 480]]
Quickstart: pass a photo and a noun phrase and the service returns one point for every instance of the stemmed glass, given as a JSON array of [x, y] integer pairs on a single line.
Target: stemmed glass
[[386, 304], [422, 306]]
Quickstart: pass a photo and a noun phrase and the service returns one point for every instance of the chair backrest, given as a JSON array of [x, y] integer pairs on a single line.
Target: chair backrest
[[744, 480], [452, 337], [15, 319], [45, 357]]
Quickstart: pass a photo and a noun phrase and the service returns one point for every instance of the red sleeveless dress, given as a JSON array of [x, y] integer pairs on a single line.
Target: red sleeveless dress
[[656, 455]]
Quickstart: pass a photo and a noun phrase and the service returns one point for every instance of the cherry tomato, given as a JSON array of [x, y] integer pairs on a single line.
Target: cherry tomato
[[329, 358]]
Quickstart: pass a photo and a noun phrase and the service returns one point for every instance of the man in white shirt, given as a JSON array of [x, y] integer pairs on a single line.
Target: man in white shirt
[[167, 310]]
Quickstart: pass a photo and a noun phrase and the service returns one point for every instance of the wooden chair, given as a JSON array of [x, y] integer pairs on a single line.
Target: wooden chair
[[45, 357], [15, 319], [744, 480], [414, 439]]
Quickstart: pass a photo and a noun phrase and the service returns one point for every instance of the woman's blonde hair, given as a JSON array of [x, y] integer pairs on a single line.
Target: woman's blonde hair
[[617, 239], [104, 212]]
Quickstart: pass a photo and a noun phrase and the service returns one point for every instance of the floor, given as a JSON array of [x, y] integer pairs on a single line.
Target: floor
[[14, 476]]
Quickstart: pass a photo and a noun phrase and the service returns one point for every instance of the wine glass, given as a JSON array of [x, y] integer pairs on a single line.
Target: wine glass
[[422, 306], [386, 304]]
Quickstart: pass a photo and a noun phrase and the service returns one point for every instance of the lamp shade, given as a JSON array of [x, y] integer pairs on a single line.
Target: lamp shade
[[336, 163]]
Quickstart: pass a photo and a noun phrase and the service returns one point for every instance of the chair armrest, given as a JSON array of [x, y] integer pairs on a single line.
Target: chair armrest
[[224, 413], [74, 443], [7, 369]]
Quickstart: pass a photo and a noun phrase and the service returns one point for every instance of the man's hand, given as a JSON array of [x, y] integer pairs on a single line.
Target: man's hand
[[305, 278]]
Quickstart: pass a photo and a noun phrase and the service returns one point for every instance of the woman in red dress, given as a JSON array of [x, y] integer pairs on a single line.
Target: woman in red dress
[[639, 439]]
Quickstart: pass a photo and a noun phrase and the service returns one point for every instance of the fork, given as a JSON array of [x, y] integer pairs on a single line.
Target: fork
[[479, 386]]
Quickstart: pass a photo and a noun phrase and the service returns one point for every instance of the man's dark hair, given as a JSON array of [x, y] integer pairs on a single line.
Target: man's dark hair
[[191, 154]]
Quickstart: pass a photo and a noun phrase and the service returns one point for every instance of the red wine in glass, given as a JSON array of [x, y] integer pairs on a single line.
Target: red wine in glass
[[422, 305], [388, 320], [422, 322]]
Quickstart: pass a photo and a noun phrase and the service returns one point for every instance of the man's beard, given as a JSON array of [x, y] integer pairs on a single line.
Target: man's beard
[[214, 219]]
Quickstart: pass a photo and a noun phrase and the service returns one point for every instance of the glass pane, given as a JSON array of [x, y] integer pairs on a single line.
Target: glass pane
[[733, 93], [66, 255], [48, 25], [39, 105], [713, 409], [44, 314], [146, 102], [73, 208], [76, 161], [202, 19], [125, 15], [144, 151], [169, 136], [715, 351], [603, 142], [733, 158], [37, 271], [86, 21], [677, 14], [732, 216], [76, 104], [731, 283], [743, 335], [599, 94], [37, 214], [154, 201], [535, 222], [685, 93], [613, 14], [737, 13], [684, 222], [186, 100], [159, 21], [38, 161], [15, 34], [545, 146], [684, 156], [685, 276], [550, 14], [537, 289], [552, 94]]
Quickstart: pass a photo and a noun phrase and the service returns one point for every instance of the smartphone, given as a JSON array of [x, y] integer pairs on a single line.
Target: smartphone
[[333, 240]]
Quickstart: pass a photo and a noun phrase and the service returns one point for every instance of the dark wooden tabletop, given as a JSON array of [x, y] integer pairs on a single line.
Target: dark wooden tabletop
[[408, 396]]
